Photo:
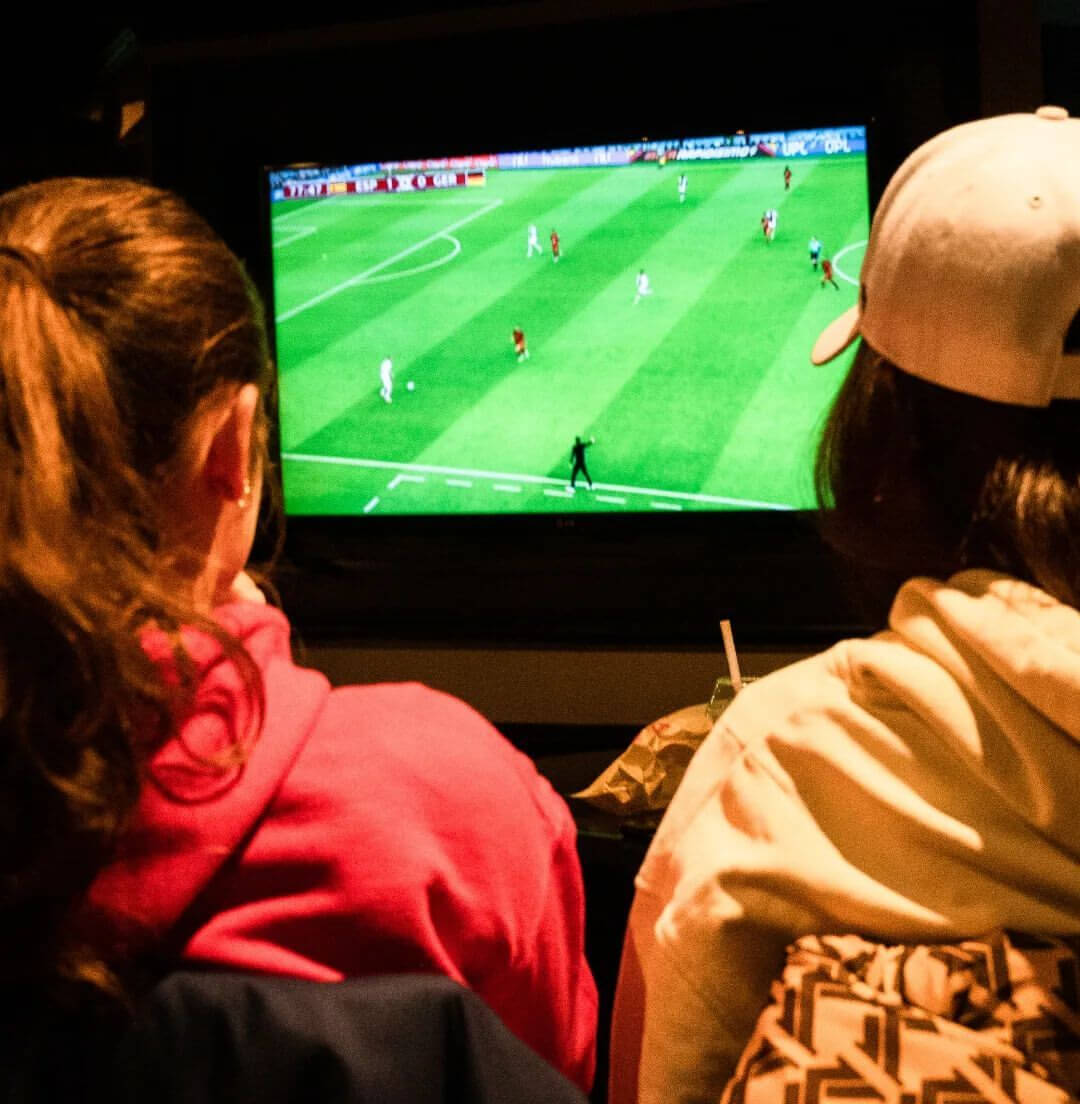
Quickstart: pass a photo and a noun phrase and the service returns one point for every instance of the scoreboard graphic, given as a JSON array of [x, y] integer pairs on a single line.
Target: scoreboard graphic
[[320, 187]]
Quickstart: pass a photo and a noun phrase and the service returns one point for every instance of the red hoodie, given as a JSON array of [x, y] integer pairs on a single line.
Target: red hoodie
[[369, 830]]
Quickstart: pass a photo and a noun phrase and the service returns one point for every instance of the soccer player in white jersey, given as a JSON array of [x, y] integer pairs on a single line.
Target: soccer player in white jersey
[[643, 287], [815, 252], [534, 241], [386, 376], [682, 187]]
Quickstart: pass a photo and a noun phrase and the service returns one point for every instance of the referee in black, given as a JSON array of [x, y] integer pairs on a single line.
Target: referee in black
[[577, 460]]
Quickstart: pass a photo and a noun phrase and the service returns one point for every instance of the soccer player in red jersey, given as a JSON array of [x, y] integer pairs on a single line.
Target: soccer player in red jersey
[[518, 337], [787, 178], [827, 273], [554, 246]]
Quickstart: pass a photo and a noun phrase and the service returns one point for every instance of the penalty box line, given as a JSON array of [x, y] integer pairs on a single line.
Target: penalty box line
[[537, 480], [360, 277], [843, 253]]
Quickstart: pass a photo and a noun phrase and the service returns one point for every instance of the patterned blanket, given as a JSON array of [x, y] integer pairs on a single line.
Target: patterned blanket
[[994, 1019]]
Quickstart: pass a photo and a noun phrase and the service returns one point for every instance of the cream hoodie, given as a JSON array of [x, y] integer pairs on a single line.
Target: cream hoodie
[[920, 785]]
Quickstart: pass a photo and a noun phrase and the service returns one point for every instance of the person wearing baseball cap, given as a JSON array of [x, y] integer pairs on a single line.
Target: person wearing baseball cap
[[920, 785]]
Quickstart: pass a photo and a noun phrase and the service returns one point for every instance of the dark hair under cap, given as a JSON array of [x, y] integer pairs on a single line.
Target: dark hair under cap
[[918, 479]]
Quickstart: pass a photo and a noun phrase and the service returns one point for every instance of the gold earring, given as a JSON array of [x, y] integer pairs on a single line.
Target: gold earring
[[244, 500]]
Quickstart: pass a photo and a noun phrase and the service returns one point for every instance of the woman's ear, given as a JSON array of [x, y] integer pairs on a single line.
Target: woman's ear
[[228, 465]]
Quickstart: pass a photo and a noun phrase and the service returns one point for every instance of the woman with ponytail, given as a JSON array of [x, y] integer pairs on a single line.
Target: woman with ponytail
[[176, 790]]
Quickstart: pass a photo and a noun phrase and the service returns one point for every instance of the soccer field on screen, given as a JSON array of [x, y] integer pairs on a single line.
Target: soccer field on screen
[[700, 396]]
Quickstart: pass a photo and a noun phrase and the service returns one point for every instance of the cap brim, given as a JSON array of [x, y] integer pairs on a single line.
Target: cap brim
[[836, 337]]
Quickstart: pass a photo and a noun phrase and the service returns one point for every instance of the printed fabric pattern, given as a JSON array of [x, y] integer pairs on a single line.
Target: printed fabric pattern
[[994, 1019]]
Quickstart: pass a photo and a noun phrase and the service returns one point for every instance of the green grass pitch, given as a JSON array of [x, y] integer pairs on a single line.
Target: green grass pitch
[[700, 396]]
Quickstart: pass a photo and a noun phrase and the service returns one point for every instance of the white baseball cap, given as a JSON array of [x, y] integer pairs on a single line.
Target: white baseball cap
[[971, 278]]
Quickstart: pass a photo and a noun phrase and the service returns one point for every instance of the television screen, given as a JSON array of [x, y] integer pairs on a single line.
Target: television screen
[[620, 328]]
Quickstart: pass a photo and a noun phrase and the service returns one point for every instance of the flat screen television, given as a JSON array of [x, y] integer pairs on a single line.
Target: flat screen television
[[578, 375]]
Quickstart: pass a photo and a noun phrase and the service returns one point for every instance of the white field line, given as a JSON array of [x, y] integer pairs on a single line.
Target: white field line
[[835, 261], [507, 488], [436, 469], [371, 505], [612, 499], [665, 505], [298, 233], [437, 263], [459, 482], [401, 478], [559, 494], [360, 277]]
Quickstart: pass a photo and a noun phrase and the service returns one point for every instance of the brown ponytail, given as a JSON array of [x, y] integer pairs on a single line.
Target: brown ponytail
[[120, 311]]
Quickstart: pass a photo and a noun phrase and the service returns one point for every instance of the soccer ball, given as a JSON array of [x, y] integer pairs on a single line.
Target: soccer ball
[[411, 386]]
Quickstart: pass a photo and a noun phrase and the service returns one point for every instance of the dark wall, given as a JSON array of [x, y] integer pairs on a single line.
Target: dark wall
[[513, 77], [1061, 58]]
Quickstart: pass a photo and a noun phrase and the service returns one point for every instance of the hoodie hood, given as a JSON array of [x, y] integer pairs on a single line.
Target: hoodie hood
[[174, 848], [1012, 656], [982, 624]]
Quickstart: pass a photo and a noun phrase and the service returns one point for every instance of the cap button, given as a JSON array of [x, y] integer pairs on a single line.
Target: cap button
[[1050, 111]]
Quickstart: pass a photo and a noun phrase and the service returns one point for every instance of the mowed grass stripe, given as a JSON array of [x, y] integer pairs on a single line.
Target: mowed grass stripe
[[285, 210], [367, 239], [357, 232], [346, 241], [830, 205], [461, 323], [529, 425], [403, 318], [794, 396], [672, 418], [528, 422], [341, 340], [385, 226]]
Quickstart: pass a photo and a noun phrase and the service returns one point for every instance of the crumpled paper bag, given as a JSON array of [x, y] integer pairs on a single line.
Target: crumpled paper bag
[[645, 777]]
